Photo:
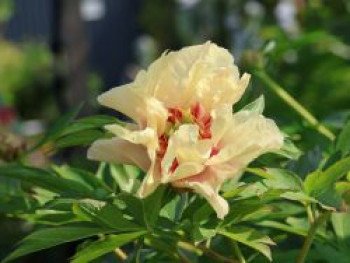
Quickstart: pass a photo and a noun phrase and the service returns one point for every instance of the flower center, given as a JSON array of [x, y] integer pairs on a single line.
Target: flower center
[[197, 115]]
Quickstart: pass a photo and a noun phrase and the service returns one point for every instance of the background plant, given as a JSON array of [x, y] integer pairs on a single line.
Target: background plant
[[291, 206]]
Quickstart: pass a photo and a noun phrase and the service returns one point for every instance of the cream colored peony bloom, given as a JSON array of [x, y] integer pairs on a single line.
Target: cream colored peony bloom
[[185, 133]]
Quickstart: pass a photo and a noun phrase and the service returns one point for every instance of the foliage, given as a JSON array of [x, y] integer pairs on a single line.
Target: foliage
[[268, 208], [290, 206]]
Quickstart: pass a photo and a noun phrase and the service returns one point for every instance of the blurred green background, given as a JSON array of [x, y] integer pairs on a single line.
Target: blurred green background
[[56, 53]]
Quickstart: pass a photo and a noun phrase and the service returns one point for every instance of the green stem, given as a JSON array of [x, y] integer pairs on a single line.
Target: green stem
[[215, 256], [310, 237], [239, 253], [120, 254], [182, 258], [293, 103], [310, 214]]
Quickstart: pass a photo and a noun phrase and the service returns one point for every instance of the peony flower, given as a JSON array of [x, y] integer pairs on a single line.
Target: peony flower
[[184, 132]]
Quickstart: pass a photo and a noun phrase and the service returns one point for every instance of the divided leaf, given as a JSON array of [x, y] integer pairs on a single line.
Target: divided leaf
[[343, 139], [57, 128], [250, 238], [106, 215], [50, 237], [46, 180], [104, 246], [319, 182]]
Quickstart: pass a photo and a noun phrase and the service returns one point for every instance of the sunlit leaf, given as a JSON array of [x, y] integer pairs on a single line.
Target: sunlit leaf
[[340, 222], [251, 238], [51, 237], [46, 180], [343, 139], [57, 128], [106, 215], [88, 123], [320, 181], [101, 247]]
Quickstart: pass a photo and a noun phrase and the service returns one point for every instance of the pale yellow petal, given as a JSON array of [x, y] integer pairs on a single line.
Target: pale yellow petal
[[151, 181], [119, 151], [125, 99], [147, 137], [186, 147], [184, 170], [207, 184], [221, 120], [156, 115], [248, 136], [143, 137], [173, 77]]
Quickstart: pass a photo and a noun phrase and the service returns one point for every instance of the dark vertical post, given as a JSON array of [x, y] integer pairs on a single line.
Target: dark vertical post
[[57, 50], [76, 51]]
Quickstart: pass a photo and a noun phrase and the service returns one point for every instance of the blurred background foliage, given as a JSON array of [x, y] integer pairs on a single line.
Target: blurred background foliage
[[303, 45]]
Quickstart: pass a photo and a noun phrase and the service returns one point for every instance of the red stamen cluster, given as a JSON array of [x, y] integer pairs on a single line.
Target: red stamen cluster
[[202, 119], [214, 151], [175, 116], [163, 145]]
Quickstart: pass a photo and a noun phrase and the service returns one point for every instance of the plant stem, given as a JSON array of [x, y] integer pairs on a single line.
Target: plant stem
[[293, 103], [182, 258], [120, 254], [310, 214], [238, 252], [216, 256], [310, 237]]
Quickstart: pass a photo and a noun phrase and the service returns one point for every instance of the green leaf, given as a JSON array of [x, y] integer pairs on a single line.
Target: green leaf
[[283, 179], [201, 234], [153, 205], [163, 244], [88, 123], [51, 217], [251, 238], [343, 139], [298, 196], [289, 150], [83, 177], [133, 207], [125, 176], [257, 105], [283, 227], [46, 180], [82, 138], [105, 214], [174, 209], [50, 237], [328, 253], [17, 205], [340, 222], [104, 246], [246, 210], [58, 127], [319, 182]]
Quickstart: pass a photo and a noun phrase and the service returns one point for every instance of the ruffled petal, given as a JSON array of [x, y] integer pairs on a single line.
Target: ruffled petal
[[249, 135], [174, 77], [184, 170], [207, 184], [185, 147], [125, 99], [119, 151], [151, 181], [221, 120], [156, 115], [146, 137]]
